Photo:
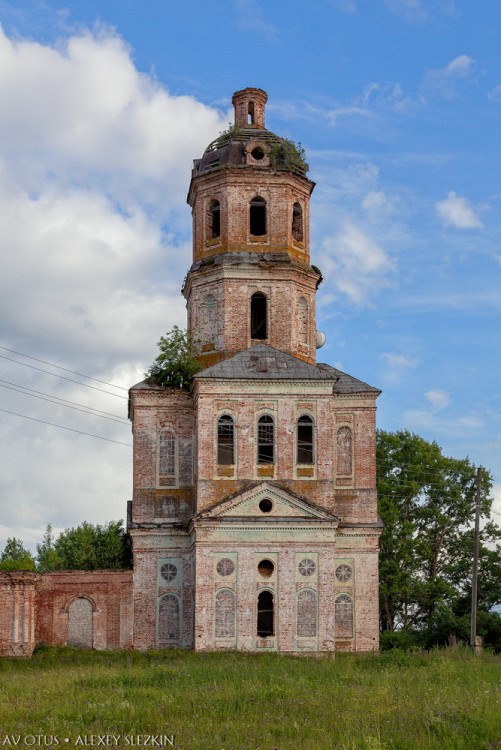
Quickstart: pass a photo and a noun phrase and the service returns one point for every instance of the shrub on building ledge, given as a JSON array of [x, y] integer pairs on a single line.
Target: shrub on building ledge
[[175, 366]]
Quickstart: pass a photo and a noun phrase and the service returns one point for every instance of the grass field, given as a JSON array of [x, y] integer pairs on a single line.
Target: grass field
[[70, 698]]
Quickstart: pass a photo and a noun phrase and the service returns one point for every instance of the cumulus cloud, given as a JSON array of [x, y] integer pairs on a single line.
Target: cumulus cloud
[[398, 365], [456, 211], [95, 239], [444, 82], [355, 264]]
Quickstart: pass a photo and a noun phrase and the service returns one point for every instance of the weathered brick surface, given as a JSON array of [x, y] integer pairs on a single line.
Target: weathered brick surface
[[105, 608], [17, 613]]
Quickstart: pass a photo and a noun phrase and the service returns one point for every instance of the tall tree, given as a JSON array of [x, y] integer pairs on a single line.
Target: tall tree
[[47, 557], [92, 547], [175, 366], [427, 501], [15, 556]]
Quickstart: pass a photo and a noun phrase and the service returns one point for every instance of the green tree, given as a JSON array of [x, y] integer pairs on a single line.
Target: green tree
[[175, 366], [15, 556], [47, 557], [427, 501], [93, 547]]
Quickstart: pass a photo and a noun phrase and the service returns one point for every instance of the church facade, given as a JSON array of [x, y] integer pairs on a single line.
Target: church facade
[[254, 511]]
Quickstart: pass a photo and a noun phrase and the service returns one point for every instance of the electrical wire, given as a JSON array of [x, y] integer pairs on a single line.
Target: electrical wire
[[67, 406], [59, 367], [70, 429], [55, 375]]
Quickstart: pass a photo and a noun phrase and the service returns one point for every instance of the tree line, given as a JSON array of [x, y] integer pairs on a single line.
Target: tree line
[[84, 547], [427, 504]]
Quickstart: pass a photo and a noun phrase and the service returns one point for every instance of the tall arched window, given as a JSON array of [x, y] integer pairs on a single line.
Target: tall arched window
[[265, 440], [343, 616], [213, 220], [169, 625], [305, 440], [307, 614], [344, 451], [225, 614], [167, 459], [302, 321], [257, 217], [225, 440], [250, 114], [258, 316], [265, 614], [297, 222]]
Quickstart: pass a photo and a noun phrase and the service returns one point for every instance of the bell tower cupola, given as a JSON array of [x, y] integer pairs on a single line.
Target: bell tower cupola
[[251, 280]]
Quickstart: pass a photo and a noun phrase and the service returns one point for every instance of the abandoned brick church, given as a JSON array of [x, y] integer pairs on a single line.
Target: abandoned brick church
[[254, 512]]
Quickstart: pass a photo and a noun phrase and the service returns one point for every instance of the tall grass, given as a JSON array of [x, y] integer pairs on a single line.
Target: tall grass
[[396, 700]]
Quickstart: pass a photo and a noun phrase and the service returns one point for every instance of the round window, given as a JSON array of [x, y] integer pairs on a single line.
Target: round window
[[343, 573], [225, 566], [307, 567], [265, 568], [168, 571], [265, 505], [257, 153]]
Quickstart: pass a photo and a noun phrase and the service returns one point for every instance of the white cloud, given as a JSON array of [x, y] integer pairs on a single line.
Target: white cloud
[[495, 93], [438, 399], [251, 18], [443, 82], [355, 264], [410, 10], [420, 10], [456, 211], [94, 165], [398, 365], [379, 205], [346, 6]]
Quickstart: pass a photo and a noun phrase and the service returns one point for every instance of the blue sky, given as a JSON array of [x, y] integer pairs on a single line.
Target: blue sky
[[102, 108]]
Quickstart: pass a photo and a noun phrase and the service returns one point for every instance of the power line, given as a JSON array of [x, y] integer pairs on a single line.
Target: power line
[[70, 429], [67, 406], [25, 364], [59, 367], [59, 399]]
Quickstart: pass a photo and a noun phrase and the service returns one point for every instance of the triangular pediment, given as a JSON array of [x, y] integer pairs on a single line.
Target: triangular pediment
[[267, 501]]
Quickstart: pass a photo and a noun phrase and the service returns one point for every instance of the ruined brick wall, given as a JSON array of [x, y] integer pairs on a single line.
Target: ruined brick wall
[[17, 612], [92, 609]]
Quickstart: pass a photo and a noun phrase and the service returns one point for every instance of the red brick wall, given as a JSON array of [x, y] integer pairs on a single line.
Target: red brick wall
[[17, 612], [110, 595]]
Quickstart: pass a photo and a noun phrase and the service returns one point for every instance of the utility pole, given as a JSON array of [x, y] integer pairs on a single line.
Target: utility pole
[[473, 632]]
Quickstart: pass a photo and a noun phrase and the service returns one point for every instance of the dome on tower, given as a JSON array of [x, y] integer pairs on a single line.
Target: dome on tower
[[248, 143]]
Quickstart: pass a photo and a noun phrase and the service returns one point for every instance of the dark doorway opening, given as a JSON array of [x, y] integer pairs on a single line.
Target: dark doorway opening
[[265, 614]]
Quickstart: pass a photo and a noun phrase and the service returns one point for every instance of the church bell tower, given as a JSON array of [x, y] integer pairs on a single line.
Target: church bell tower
[[251, 280]]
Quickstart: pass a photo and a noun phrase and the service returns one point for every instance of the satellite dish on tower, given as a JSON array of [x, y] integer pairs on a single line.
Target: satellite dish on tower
[[320, 339]]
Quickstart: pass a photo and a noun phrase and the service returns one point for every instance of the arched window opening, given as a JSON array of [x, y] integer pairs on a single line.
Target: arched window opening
[[265, 440], [213, 220], [297, 222], [302, 321], [257, 216], [343, 616], [167, 459], [307, 614], [265, 614], [225, 614], [225, 441], [258, 316], [168, 619], [344, 451], [305, 440], [250, 114]]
